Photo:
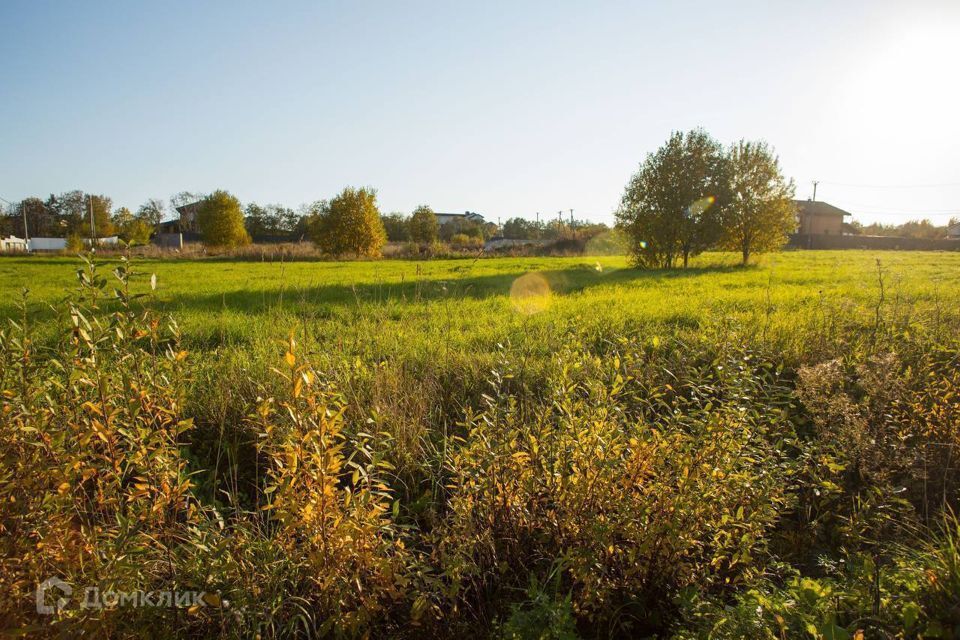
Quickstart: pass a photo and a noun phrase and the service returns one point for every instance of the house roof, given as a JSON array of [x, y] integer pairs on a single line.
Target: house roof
[[818, 208], [467, 214], [188, 208]]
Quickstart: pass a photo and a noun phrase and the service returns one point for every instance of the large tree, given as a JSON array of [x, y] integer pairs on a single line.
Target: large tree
[[424, 227], [759, 212], [668, 209], [220, 221], [349, 224]]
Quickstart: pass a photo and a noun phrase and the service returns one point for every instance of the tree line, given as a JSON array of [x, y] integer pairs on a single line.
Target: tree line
[[351, 222], [348, 224], [691, 195], [694, 194], [75, 214], [922, 229]]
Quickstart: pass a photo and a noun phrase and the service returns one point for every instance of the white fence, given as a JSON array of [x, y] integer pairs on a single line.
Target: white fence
[[48, 244], [15, 244]]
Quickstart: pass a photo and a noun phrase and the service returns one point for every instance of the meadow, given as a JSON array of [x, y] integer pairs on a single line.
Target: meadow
[[400, 307], [507, 446]]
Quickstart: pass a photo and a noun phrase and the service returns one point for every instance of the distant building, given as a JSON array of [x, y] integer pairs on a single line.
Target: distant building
[[953, 231], [819, 218], [466, 216], [188, 217], [13, 244], [186, 222]]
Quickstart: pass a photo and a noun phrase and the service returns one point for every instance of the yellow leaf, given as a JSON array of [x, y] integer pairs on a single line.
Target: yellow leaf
[[290, 358]]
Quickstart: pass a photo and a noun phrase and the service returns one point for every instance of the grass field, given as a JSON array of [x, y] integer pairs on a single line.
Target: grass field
[[511, 445], [394, 307]]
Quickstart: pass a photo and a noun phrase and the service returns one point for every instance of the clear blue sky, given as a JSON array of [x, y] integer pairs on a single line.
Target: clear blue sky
[[506, 108]]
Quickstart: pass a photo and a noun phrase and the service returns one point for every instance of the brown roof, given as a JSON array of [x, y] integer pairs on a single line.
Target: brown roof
[[818, 208]]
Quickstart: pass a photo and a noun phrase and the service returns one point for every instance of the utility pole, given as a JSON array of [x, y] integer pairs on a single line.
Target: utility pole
[[571, 217], [815, 183], [560, 217]]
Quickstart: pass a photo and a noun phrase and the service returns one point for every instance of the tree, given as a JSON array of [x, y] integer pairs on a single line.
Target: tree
[[220, 221], [99, 207], [132, 229], [40, 220], [469, 228], [70, 209], [397, 227], [667, 209], [350, 223], [424, 227], [759, 212], [270, 220], [152, 212], [521, 229]]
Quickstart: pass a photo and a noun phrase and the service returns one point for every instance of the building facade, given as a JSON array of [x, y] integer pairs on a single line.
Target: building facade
[[819, 218]]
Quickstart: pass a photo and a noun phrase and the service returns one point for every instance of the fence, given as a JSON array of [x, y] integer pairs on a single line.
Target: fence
[[819, 241]]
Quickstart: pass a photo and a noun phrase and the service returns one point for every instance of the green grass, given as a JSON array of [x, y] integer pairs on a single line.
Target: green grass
[[386, 308]]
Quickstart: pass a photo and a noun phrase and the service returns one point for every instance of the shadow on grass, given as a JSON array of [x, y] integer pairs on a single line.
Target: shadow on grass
[[463, 287]]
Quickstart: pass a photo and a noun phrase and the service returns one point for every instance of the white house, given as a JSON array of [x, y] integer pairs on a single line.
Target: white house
[[13, 244], [466, 216]]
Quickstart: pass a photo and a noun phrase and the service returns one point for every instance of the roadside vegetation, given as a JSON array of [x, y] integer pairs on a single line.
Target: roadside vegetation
[[530, 447]]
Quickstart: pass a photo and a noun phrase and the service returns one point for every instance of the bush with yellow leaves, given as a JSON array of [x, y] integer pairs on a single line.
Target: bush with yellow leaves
[[632, 511], [93, 487]]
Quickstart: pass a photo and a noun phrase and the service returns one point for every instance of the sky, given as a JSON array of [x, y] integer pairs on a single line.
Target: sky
[[504, 108]]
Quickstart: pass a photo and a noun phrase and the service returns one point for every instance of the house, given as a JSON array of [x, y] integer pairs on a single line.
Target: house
[[13, 244], [819, 218], [953, 231], [188, 217], [466, 216], [186, 223]]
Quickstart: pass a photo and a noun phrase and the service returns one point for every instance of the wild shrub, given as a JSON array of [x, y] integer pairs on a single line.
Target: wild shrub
[[326, 503], [917, 595], [634, 512], [93, 487]]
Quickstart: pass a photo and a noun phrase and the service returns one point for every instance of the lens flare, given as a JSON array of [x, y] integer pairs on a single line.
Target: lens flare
[[699, 206], [530, 294], [643, 244]]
